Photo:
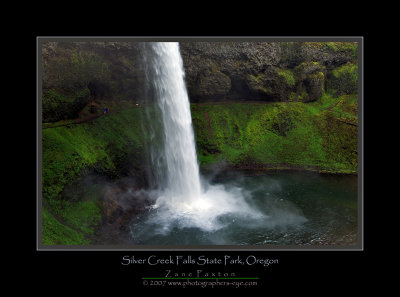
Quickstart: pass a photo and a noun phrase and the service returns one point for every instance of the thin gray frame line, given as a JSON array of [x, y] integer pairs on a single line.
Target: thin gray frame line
[[203, 38]]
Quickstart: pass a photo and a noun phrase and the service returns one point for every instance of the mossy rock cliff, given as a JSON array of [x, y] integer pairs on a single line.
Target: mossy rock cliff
[[266, 71]]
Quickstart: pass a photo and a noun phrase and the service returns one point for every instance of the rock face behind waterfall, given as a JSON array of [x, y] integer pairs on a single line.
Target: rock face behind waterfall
[[74, 72], [273, 71], [228, 68]]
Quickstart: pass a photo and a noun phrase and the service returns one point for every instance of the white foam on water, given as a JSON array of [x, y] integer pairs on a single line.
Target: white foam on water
[[203, 211]]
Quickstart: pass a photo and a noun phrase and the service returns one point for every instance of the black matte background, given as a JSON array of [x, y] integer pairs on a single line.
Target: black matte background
[[298, 271]]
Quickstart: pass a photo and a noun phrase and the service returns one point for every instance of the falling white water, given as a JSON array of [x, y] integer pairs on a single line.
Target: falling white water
[[182, 201], [182, 171]]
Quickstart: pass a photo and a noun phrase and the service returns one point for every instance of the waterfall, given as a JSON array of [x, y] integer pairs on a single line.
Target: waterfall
[[180, 199], [181, 171]]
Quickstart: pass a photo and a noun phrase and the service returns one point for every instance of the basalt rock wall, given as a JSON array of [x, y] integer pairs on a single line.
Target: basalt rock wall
[[74, 73]]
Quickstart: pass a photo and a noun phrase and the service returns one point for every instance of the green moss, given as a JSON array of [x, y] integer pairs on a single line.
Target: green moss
[[55, 233], [293, 96], [308, 67], [283, 133], [69, 152], [57, 105], [325, 102], [293, 133], [303, 96], [257, 77], [288, 75], [57, 124], [350, 69], [312, 135], [334, 46], [83, 216], [317, 75], [344, 79], [342, 46], [207, 159], [346, 108], [350, 48]]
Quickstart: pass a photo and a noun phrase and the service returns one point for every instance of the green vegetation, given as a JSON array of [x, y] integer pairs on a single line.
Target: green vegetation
[[345, 47], [308, 67], [317, 76], [349, 69], [57, 124], [287, 75], [70, 152], [295, 134], [256, 78], [321, 135], [344, 79], [54, 232], [58, 106]]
